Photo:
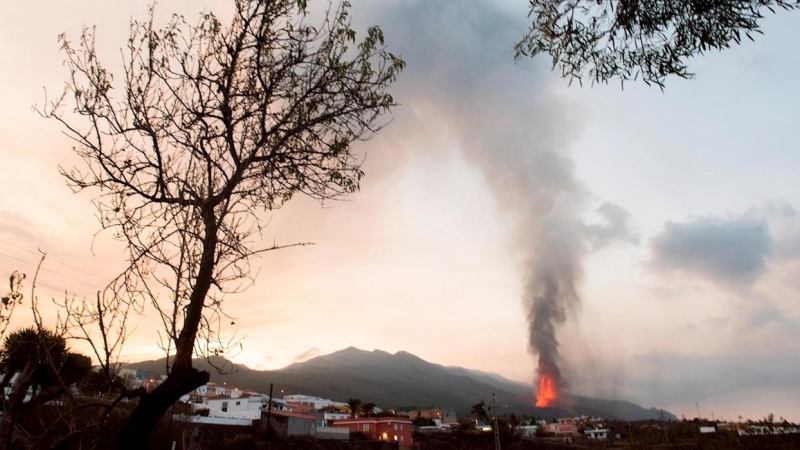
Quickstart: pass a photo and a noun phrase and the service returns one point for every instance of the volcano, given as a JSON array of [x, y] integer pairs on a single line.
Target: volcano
[[402, 379]]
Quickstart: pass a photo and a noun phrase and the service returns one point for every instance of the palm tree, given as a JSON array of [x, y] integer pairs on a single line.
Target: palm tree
[[367, 408], [480, 412], [354, 403], [42, 364]]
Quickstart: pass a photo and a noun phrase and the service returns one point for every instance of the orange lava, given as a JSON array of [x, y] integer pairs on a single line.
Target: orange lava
[[546, 394]]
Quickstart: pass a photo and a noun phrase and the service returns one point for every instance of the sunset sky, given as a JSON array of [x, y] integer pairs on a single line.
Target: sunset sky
[[682, 205]]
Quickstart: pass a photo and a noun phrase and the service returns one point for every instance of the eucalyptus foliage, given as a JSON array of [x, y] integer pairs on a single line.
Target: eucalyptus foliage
[[628, 39]]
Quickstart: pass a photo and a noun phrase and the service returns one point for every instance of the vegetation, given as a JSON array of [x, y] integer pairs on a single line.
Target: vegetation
[[354, 404], [212, 125], [625, 40], [37, 368], [480, 411]]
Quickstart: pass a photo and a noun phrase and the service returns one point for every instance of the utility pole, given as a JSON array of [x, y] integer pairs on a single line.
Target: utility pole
[[496, 429], [269, 409], [663, 420], [698, 410]]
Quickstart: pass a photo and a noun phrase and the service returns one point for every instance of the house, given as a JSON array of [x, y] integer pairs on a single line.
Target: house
[[597, 434], [200, 396], [527, 431], [296, 424], [437, 427], [562, 426], [331, 416], [211, 389], [398, 429], [299, 402], [567, 426], [245, 406], [425, 413]]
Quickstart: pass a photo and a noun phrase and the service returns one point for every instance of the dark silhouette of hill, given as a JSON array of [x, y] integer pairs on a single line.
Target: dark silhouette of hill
[[402, 380]]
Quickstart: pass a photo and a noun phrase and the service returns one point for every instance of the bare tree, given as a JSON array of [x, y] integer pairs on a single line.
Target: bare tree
[[628, 39], [213, 124]]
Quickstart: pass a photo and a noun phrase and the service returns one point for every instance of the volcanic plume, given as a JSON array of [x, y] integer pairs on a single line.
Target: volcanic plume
[[550, 291], [510, 124]]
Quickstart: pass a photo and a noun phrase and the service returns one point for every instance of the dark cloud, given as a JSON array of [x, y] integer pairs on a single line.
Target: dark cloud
[[730, 252], [677, 379]]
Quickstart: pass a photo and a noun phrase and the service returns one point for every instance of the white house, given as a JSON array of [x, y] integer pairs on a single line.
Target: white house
[[527, 430], [244, 406], [597, 434]]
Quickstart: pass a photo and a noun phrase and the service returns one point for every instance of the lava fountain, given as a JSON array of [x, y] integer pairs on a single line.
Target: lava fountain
[[547, 391]]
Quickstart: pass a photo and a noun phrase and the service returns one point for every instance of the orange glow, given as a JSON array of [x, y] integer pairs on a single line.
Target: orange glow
[[547, 393]]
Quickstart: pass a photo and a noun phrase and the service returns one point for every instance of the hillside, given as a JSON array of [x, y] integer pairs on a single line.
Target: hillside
[[402, 379]]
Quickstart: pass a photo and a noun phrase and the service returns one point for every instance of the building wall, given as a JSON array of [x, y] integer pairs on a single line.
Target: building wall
[[380, 428], [215, 420], [567, 426], [311, 401], [336, 416], [301, 427], [431, 413], [242, 410], [298, 407], [341, 434]]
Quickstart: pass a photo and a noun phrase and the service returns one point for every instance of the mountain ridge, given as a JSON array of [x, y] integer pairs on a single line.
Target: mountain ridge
[[403, 379]]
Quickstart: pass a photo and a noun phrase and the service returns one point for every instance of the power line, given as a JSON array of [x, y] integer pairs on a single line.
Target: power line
[[49, 270], [39, 283], [54, 260]]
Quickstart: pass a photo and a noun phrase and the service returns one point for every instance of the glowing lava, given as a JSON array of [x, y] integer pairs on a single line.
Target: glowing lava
[[546, 394]]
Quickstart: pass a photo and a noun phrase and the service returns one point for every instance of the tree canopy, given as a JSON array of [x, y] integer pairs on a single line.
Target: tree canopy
[[628, 39]]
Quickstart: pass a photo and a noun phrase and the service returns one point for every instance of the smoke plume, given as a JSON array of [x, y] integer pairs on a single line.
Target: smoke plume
[[508, 121]]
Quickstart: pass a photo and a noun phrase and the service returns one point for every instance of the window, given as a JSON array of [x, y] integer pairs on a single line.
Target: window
[[395, 427], [365, 427], [224, 406], [238, 403], [401, 426]]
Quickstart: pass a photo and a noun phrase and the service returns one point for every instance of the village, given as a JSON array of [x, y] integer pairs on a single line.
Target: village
[[300, 416]]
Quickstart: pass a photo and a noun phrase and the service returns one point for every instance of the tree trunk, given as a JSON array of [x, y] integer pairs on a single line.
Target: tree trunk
[[152, 406], [182, 378]]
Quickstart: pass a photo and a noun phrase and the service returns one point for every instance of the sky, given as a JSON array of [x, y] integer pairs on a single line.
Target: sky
[[677, 211]]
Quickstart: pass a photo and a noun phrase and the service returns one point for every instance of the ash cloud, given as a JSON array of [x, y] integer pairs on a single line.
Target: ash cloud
[[306, 355], [508, 121], [729, 252]]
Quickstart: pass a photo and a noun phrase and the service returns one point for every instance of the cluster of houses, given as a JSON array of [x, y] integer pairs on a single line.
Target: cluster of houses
[[293, 415], [305, 415], [564, 429]]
